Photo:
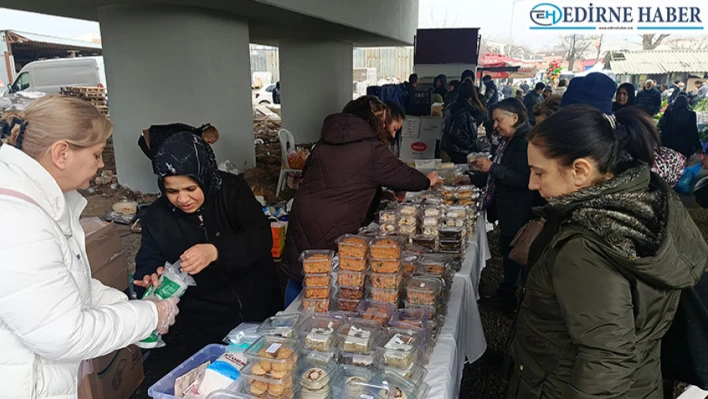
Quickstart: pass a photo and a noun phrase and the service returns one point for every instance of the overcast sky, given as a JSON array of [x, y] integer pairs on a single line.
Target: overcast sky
[[432, 14]]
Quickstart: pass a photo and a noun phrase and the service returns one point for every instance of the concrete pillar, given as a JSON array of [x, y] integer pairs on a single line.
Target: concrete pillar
[[170, 64], [315, 81]]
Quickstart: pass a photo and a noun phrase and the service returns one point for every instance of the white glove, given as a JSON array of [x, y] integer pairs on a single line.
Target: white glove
[[167, 310], [481, 131]]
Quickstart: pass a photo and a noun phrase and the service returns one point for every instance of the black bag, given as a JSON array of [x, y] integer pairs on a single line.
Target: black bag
[[684, 348], [701, 192]]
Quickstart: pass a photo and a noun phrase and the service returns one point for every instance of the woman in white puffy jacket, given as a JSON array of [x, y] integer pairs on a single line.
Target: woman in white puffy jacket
[[53, 314]]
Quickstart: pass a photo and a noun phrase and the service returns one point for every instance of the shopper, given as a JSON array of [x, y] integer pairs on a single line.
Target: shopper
[[548, 107], [547, 92], [674, 91], [439, 85], [460, 124], [211, 222], [508, 198], [451, 95], [53, 314], [525, 87], [507, 90], [649, 99], [276, 93], [607, 270], [491, 93], [519, 95], [562, 87], [625, 97], [679, 129], [341, 178], [532, 98]]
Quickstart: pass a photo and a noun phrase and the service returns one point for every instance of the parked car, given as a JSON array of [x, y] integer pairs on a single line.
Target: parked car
[[265, 95], [49, 76]]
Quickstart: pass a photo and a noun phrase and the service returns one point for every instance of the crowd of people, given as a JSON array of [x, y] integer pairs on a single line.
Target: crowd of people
[[603, 275]]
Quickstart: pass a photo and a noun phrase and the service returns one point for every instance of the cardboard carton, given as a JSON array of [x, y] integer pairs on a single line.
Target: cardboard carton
[[105, 253], [278, 229], [115, 376]]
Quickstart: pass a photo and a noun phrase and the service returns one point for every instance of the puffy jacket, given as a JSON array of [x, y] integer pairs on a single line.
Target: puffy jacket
[[605, 281], [341, 179], [460, 127], [53, 314], [649, 101], [530, 99]]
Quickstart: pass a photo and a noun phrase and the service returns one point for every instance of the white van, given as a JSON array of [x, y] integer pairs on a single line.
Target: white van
[[49, 76]]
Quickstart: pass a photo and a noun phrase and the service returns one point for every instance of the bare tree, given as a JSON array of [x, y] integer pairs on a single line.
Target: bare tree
[[652, 41], [575, 47], [699, 43]]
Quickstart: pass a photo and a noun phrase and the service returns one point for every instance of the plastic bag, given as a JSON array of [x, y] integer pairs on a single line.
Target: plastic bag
[[685, 183], [297, 158], [173, 283]]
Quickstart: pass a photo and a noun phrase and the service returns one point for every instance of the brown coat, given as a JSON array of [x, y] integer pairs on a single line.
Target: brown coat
[[342, 175]]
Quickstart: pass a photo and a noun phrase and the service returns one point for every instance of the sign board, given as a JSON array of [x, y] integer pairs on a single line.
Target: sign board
[[411, 126], [422, 145]]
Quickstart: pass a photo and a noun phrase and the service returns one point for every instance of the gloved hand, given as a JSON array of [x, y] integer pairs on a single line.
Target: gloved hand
[[167, 310]]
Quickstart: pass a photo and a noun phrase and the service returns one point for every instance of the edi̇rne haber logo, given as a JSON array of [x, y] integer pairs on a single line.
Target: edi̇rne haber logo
[[549, 16]]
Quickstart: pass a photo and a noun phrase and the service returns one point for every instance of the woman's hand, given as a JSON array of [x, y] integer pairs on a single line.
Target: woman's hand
[[484, 164], [463, 180], [434, 178], [149, 280], [167, 311], [197, 258]]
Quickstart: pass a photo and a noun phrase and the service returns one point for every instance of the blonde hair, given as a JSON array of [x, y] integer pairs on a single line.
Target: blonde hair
[[58, 118], [210, 132]]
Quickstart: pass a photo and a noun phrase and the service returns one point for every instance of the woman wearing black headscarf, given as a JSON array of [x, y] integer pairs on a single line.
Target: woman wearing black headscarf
[[213, 224], [678, 127], [624, 97]]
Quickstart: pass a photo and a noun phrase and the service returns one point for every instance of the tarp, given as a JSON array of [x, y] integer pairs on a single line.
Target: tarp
[[490, 60]]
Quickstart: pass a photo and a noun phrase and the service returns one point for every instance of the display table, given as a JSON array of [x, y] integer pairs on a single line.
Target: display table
[[461, 336]]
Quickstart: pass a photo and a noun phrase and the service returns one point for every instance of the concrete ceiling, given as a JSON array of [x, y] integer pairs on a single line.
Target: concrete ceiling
[[269, 21]]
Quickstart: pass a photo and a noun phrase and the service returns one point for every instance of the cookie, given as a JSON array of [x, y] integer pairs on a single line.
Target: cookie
[[259, 387], [278, 374], [266, 366], [276, 389], [258, 369]]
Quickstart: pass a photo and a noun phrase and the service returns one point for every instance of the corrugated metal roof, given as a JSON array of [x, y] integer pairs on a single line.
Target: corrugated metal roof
[[34, 37], [657, 62]]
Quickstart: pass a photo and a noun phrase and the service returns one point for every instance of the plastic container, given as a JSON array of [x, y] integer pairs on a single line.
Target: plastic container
[[273, 353], [316, 261], [423, 390], [432, 231], [431, 310], [320, 332], [315, 376], [432, 211], [388, 228], [450, 246], [348, 278], [409, 264], [316, 292], [364, 390], [454, 222], [241, 337], [282, 325], [423, 291], [350, 293], [263, 387], [317, 280], [165, 387], [346, 372], [407, 230], [417, 318], [316, 305], [399, 349], [401, 387], [408, 210], [353, 264], [457, 212], [353, 246], [387, 281], [427, 242], [434, 264], [451, 233], [382, 295], [388, 216], [385, 265], [346, 305], [386, 247], [256, 370], [381, 312], [411, 250], [358, 336], [363, 360]]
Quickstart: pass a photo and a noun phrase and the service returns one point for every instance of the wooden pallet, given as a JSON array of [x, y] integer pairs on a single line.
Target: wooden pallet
[[84, 89]]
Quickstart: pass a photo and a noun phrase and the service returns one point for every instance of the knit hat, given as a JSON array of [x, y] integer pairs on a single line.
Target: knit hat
[[596, 89]]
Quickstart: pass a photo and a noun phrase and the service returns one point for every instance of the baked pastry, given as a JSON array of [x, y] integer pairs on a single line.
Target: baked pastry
[[398, 394], [387, 227], [258, 387], [315, 379], [320, 339], [375, 314], [407, 229], [352, 264], [317, 292], [350, 279], [353, 246], [317, 263], [408, 221], [318, 305], [387, 281], [432, 212], [385, 266], [387, 217], [408, 210], [398, 351], [430, 221], [317, 280], [351, 293], [386, 248], [348, 305], [357, 340], [432, 231]]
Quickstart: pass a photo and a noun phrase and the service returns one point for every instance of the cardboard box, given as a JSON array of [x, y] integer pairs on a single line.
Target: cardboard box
[[114, 273], [278, 229], [115, 376], [420, 134], [105, 253]]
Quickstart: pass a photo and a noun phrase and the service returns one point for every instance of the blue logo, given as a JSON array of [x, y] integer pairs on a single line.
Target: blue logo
[[546, 14]]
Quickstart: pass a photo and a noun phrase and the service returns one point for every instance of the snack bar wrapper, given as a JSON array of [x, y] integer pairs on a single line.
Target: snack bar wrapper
[[173, 283]]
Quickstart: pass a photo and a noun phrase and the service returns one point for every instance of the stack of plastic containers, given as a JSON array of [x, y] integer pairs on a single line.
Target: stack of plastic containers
[[319, 334], [388, 221], [317, 266], [271, 367], [408, 220], [385, 275], [351, 275], [380, 312], [357, 342], [317, 377]]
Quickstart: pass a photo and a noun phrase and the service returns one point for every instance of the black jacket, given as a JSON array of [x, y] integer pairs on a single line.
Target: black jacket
[[513, 199], [531, 99], [649, 101], [242, 285], [680, 135], [460, 127], [491, 93]]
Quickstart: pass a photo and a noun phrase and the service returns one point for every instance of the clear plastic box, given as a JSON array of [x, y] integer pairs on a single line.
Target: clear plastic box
[[416, 374], [255, 370], [363, 360], [320, 332], [363, 390], [423, 291], [353, 246], [408, 210], [316, 376], [318, 280], [432, 211], [388, 216], [408, 317], [317, 292], [409, 264], [380, 312], [387, 281], [399, 349], [439, 265], [400, 386], [386, 247], [412, 250], [383, 295], [353, 264], [431, 310], [385, 265], [451, 246], [457, 212], [274, 353], [407, 230], [388, 228], [317, 261], [241, 337], [165, 387], [427, 242], [346, 305], [346, 372], [358, 336], [454, 222], [433, 231], [281, 325], [451, 233], [267, 388], [316, 305], [407, 220], [350, 293], [347, 278]]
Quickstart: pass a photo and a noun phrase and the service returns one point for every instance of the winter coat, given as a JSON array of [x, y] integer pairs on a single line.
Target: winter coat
[[242, 285], [525, 88], [649, 101], [679, 130], [702, 92], [530, 100], [604, 285], [442, 90], [53, 314], [342, 176], [460, 127], [560, 90], [491, 93], [674, 90], [507, 91], [513, 201], [451, 97]]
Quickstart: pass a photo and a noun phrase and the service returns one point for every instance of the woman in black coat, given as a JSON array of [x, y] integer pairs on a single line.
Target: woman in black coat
[[679, 130], [213, 224], [460, 124]]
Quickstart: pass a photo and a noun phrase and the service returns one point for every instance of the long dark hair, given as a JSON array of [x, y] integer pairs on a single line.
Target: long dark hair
[[468, 92], [373, 111], [631, 93], [582, 131]]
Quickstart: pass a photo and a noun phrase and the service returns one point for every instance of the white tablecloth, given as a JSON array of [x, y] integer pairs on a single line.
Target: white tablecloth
[[461, 336]]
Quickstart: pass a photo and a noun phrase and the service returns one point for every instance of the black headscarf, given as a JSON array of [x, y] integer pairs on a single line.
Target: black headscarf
[[631, 95], [184, 154], [680, 109]]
